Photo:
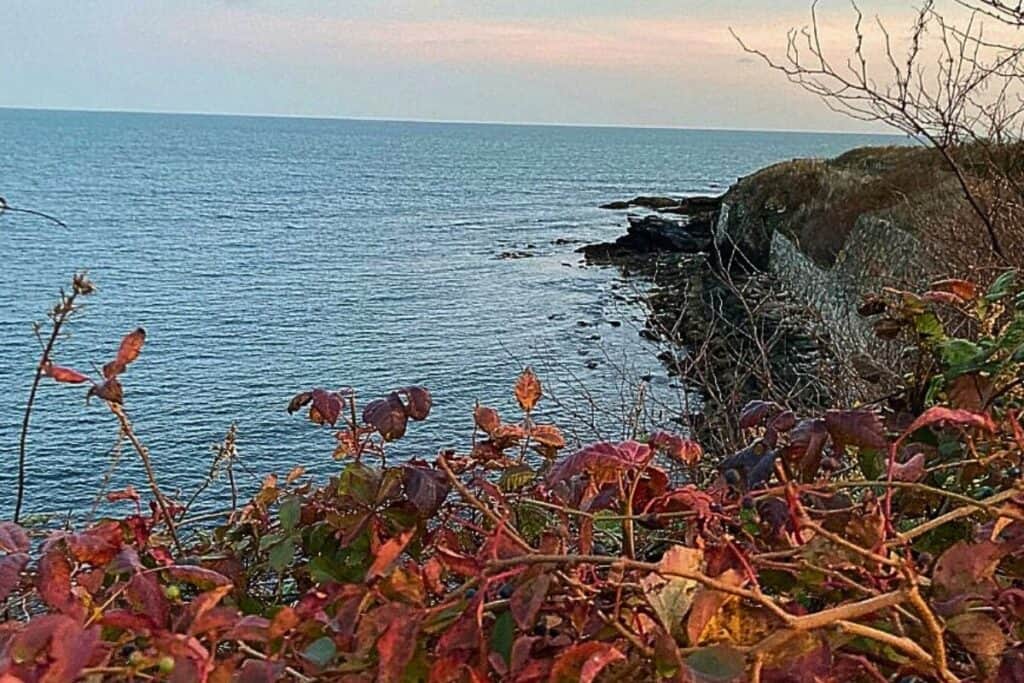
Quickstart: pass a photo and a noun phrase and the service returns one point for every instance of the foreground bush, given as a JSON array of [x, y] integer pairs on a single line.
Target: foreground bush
[[877, 543]]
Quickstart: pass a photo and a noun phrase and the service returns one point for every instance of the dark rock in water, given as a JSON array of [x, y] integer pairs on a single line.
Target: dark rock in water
[[692, 206], [653, 234], [686, 206], [643, 202], [506, 255]]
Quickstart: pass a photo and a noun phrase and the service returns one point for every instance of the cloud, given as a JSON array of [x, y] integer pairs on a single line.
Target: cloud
[[235, 33]]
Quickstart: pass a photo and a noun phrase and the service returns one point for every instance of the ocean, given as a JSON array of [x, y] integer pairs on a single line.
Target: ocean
[[265, 256]]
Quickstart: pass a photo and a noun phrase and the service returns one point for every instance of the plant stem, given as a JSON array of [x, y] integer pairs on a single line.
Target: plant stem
[[59, 317], [126, 428]]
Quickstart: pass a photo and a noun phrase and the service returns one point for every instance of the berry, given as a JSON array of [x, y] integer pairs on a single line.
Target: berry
[[172, 592], [166, 664], [505, 592], [136, 658]]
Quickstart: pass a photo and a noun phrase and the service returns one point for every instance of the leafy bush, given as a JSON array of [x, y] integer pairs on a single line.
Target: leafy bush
[[873, 543]]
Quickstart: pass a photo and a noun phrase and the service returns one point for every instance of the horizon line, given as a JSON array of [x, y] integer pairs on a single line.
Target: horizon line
[[384, 119]]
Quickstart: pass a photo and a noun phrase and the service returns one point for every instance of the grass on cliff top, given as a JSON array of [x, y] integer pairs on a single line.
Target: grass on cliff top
[[818, 202]]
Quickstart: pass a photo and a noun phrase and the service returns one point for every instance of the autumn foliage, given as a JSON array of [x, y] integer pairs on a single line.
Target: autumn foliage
[[875, 543]]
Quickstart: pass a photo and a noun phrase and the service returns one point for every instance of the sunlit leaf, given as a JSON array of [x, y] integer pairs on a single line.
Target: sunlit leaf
[[583, 662], [528, 390], [129, 350], [65, 375]]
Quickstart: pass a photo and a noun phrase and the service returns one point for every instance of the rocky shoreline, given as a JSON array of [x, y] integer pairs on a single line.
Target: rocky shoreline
[[710, 309]]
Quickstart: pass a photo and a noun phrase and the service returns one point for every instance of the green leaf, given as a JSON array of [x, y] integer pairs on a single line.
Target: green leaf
[[281, 554], [670, 600], [929, 327], [515, 478], [289, 513], [321, 651], [717, 664], [871, 463], [324, 570], [1002, 286], [360, 483], [503, 634], [960, 352]]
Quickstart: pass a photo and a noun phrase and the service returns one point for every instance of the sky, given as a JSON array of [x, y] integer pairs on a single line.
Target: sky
[[609, 62]]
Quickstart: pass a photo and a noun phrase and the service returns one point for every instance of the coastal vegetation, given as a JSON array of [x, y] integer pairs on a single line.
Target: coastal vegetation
[[851, 544], [845, 504]]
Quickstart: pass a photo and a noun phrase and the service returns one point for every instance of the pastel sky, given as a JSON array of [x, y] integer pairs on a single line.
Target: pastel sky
[[641, 62]]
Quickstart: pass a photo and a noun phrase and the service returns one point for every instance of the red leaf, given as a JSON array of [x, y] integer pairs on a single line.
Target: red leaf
[[54, 582], [958, 418], [527, 600], [124, 620], [967, 569], [603, 461], [388, 416], [388, 553], [13, 538], [487, 419], [98, 545], [528, 390], [202, 605], [458, 563], [425, 488], [683, 450], [911, 470], [11, 567], [146, 597], [299, 401], [547, 435], [326, 407], [64, 375], [131, 347], [688, 497], [110, 390], [70, 646], [397, 644], [200, 577], [418, 402], [582, 662], [260, 671], [807, 440], [860, 428], [755, 412], [252, 628]]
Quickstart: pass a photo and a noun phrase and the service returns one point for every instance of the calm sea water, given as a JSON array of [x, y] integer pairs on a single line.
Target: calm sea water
[[265, 256]]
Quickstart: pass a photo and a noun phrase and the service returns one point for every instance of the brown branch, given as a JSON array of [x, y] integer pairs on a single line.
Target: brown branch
[[126, 428]]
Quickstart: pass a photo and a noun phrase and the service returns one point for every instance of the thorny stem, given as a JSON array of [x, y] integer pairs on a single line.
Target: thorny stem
[[842, 616], [126, 428], [60, 315], [468, 496]]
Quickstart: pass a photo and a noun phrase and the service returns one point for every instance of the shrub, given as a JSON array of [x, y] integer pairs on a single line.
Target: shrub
[[868, 543]]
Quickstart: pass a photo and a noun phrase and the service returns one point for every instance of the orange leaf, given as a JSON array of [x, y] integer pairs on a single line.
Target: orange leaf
[[131, 347], [684, 450], [960, 418], [962, 289], [389, 553], [547, 435], [487, 419], [65, 375], [528, 390], [583, 662]]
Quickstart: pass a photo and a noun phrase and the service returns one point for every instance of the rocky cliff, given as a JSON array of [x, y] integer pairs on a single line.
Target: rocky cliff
[[766, 280]]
